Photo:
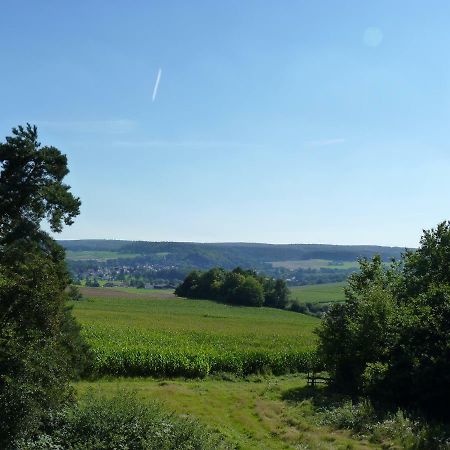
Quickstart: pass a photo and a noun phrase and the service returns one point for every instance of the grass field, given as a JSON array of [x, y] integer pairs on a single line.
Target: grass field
[[96, 255], [160, 292], [318, 293], [252, 413], [137, 334], [315, 264], [126, 292]]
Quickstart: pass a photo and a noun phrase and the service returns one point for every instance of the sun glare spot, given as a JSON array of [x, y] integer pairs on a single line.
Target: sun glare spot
[[373, 37]]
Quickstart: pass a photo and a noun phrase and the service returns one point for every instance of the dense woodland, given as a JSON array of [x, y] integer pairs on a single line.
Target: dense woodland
[[229, 255]]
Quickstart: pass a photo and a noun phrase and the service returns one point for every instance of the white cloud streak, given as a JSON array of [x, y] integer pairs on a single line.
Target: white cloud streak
[[155, 88]]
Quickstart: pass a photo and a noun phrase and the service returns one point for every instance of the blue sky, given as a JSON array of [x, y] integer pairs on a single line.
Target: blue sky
[[278, 121]]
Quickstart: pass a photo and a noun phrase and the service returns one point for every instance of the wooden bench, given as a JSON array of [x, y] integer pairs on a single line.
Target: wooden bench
[[314, 379]]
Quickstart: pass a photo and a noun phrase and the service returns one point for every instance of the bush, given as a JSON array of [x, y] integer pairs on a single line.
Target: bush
[[351, 416], [74, 293], [389, 340], [121, 422], [387, 429]]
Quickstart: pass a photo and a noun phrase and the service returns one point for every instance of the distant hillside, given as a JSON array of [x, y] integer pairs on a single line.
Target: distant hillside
[[232, 254], [142, 262]]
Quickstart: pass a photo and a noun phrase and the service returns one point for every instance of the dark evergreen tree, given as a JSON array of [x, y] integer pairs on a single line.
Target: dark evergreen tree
[[40, 345]]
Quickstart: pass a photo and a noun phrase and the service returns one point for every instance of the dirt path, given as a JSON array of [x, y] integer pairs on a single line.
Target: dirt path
[[116, 293]]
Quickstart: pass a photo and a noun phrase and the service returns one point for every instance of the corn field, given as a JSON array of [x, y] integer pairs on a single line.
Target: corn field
[[193, 338]]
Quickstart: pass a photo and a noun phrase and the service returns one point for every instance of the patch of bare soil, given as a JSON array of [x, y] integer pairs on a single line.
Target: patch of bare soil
[[115, 293]]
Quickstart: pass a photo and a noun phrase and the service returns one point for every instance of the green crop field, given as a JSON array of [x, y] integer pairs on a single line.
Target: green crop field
[[318, 293], [315, 264], [162, 292], [147, 335], [180, 341], [97, 255]]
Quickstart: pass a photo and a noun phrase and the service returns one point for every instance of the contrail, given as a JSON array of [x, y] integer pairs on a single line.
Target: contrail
[[155, 89]]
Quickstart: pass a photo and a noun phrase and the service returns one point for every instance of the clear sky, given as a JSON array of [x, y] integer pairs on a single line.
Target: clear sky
[[272, 121]]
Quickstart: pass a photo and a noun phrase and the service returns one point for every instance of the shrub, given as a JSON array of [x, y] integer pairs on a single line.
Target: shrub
[[389, 340], [387, 429], [121, 422], [352, 416], [74, 293]]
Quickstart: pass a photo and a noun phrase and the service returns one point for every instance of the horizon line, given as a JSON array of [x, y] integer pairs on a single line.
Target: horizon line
[[233, 242]]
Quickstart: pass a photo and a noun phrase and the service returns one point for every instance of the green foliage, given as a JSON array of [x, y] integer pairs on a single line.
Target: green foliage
[[74, 293], [386, 429], [229, 255], [92, 282], [40, 344], [121, 422], [350, 415], [125, 361], [238, 287], [31, 186], [390, 337], [276, 293], [250, 293]]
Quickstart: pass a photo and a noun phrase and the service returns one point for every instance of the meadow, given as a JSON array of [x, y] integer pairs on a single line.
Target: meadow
[[318, 293], [253, 413], [237, 370], [315, 264], [97, 255], [154, 333]]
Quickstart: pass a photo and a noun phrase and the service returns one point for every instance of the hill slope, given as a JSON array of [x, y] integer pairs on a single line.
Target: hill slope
[[205, 255]]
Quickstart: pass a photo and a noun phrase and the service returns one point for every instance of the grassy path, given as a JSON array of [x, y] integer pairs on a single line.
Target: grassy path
[[254, 413]]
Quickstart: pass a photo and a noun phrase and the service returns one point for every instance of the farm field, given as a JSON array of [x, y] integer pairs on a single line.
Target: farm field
[[156, 292], [96, 255], [315, 264], [126, 292], [318, 293], [200, 358], [252, 413], [157, 334]]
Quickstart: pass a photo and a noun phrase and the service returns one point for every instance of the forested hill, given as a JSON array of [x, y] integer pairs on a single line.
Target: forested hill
[[205, 255]]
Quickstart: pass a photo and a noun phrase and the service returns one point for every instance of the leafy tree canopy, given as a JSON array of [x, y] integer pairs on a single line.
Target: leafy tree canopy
[[390, 339], [239, 287]]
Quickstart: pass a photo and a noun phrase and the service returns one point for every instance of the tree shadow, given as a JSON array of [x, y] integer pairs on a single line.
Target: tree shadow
[[319, 396]]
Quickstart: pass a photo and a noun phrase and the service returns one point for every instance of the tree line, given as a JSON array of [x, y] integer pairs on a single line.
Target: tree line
[[236, 287]]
